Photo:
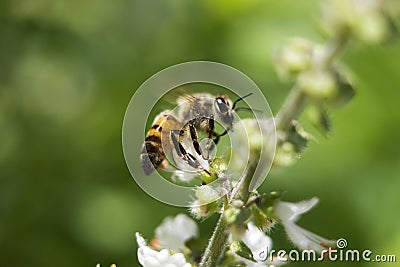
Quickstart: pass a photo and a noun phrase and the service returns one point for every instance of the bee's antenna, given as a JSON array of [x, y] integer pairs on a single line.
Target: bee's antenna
[[239, 99], [248, 109]]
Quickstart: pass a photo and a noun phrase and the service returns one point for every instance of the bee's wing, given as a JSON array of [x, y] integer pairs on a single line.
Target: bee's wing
[[184, 98], [184, 94], [179, 95]]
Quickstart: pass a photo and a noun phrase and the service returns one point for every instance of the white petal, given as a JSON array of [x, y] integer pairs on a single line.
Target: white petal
[[140, 256], [174, 232], [163, 255], [149, 257], [146, 252], [183, 166], [178, 259], [151, 262], [140, 240], [287, 211], [305, 239], [258, 242]]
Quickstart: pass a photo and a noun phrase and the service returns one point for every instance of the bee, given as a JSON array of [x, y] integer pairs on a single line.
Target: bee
[[196, 112]]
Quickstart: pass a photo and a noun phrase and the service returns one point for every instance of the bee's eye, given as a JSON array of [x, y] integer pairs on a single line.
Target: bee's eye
[[221, 105]]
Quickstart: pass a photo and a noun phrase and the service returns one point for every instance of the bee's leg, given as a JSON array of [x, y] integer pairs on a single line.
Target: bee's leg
[[210, 131], [217, 136], [181, 151], [196, 145]]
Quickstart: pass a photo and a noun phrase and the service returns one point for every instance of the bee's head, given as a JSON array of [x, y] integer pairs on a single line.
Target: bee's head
[[224, 109], [224, 112]]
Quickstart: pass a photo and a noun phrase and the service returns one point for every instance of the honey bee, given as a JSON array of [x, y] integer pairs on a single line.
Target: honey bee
[[196, 112]]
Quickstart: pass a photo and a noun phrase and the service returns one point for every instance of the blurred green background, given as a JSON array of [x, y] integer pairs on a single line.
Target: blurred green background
[[68, 69]]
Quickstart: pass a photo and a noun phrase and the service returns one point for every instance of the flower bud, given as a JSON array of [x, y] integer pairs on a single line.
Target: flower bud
[[203, 211], [231, 215], [297, 55], [208, 202], [372, 28], [206, 194], [318, 84]]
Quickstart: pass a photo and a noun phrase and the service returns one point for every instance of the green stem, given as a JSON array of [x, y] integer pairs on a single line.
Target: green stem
[[216, 247], [334, 47], [219, 240], [291, 108]]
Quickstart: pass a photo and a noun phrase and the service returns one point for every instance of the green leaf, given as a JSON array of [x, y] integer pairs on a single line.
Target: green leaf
[[319, 117], [298, 137], [240, 248], [346, 90]]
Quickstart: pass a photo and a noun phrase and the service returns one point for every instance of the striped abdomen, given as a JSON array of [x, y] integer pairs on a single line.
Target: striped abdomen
[[153, 154]]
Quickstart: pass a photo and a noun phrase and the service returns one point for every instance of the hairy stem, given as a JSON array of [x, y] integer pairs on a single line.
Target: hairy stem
[[215, 249], [219, 240]]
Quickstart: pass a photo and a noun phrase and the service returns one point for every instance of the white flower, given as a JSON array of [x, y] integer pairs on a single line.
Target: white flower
[[149, 257], [289, 213], [208, 193], [260, 245], [208, 200], [174, 232], [182, 171]]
